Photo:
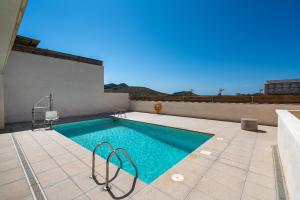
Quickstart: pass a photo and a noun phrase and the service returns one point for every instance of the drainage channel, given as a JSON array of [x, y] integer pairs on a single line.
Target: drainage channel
[[34, 185], [279, 176]]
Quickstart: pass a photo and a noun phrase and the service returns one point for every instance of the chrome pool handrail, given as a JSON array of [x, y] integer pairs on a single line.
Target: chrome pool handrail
[[107, 180], [107, 187], [93, 162], [120, 113]]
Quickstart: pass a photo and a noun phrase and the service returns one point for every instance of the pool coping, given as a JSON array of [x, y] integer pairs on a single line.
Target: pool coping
[[139, 122], [197, 132]]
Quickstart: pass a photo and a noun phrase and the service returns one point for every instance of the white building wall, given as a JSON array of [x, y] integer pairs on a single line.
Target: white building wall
[[264, 113], [77, 88], [11, 13]]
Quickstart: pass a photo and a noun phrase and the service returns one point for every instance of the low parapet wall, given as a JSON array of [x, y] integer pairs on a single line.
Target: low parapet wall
[[289, 148], [263, 99], [264, 113]]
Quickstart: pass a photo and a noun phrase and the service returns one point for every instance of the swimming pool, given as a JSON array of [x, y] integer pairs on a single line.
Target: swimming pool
[[153, 148]]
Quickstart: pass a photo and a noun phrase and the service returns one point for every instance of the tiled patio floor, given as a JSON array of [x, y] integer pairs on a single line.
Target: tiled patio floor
[[240, 165]]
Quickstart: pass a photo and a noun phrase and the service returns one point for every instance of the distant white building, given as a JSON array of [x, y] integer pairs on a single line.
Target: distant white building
[[282, 87]]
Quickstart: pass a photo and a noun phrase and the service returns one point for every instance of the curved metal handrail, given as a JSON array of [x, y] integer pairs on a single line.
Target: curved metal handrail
[[120, 113], [41, 100], [48, 97], [93, 163], [114, 152], [116, 114]]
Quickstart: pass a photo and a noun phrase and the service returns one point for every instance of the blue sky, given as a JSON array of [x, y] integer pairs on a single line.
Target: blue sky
[[171, 45]]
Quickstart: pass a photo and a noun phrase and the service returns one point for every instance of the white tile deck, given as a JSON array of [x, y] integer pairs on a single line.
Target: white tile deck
[[239, 166]]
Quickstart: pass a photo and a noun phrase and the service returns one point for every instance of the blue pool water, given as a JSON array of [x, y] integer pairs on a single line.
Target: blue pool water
[[153, 148]]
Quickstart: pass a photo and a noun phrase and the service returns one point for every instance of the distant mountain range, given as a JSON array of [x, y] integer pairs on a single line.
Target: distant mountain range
[[138, 91]]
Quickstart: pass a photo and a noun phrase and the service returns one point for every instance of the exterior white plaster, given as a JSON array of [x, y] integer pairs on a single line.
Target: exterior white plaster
[[289, 149], [11, 13], [77, 88]]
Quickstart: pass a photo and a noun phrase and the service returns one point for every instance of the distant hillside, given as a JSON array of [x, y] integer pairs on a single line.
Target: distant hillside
[[184, 93], [114, 86], [132, 90]]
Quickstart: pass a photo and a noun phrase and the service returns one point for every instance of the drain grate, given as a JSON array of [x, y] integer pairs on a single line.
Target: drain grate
[[33, 183], [280, 182]]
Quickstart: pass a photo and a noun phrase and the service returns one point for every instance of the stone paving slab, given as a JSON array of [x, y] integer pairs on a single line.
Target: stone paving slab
[[238, 165], [13, 184]]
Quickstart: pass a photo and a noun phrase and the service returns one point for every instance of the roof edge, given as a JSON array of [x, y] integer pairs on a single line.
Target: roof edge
[[26, 41], [283, 81], [56, 54]]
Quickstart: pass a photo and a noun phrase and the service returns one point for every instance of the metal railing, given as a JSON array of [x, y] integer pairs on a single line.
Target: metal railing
[[93, 163], [107, 187], [120, 114], [271, 99], [38, 108], [113, 152]]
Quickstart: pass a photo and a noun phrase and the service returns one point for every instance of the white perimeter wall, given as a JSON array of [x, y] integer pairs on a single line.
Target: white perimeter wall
[[78, 88], [264, 113], [289, 149]]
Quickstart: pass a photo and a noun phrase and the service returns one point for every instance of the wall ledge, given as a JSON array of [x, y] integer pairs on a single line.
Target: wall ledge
[[292, 123]]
